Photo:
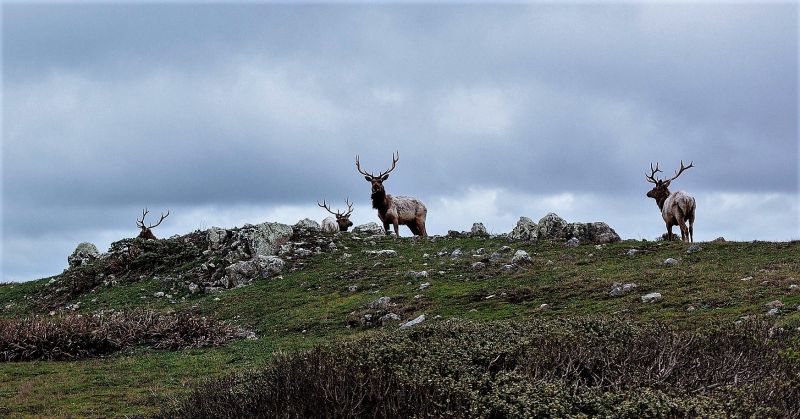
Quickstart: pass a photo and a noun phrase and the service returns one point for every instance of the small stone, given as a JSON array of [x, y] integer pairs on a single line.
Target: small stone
[[651, 298], [544, 307], [619, 289], [793, 287], [52, 313], [521, 256], [495, 257], [719, 240], [352, 288], [424, 285], [691, 308], [478, 266], [456, 253], [380, 303], [670, 262], [417, 275], [774, 304], [193, 288], [573, 242], [773, 312], [632, 252], [388, 318], [158, 294], [489, 297], [747, 278], [509, 268], [694, 248], [480, 251], [414, 322]]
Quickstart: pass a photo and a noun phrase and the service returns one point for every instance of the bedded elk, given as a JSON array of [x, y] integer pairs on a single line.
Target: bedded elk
[[146, 233], [393, 209], [677, 208], [339, 221]]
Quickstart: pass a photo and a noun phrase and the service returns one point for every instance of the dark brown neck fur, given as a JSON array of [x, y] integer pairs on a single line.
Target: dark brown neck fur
[[380, 201]]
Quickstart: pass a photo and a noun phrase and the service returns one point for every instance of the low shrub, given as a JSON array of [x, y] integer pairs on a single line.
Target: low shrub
[[549, 368], [75, 336]]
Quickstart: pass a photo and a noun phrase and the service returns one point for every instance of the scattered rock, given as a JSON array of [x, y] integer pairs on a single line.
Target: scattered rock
[[598, 232], [773, 312], [417, 275], [382, 302], [352, 288], [495, 257], [193, 288], [793, 287], [670, 262], [158, 294], [618, 289], [694, 248], [216, 237], [478, 266], [774, 304], [718, 240], [544, 306], [479, 230], [456, 253], [424, 285], [260, 267], [382, 253], [526, 230], [414, 322], [652, 297], [747, 278], [84, 254], [632, 252], [521, 256], [388, 318], [480, 252], [573, 242], [369, 228]]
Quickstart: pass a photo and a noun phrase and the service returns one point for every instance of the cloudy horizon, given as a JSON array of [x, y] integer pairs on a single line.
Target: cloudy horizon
[[234, 114]]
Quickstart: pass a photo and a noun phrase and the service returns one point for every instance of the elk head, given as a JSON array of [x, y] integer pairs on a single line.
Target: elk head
[[342, 219], [377, 181], [146, 233], [660, 191]]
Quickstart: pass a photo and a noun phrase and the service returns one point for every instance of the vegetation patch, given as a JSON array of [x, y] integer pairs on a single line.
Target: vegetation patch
[[575, 367], [78, 336]]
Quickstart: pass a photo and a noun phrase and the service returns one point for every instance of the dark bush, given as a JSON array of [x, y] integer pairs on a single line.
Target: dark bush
[[562, 368], [81, 336]]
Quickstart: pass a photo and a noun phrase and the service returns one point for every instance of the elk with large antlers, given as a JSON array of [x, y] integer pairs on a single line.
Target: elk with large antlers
[[339, 221], [392, 209], [146, 233], [677, 208]]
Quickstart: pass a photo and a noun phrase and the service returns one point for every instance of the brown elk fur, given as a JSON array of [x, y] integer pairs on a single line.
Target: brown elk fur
[[395, 210], [339, 221], [677, 209]]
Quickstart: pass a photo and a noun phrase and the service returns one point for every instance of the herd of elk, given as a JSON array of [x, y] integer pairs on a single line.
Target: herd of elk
[[339, 221], [146, 233], [395, 210], [677, 208]]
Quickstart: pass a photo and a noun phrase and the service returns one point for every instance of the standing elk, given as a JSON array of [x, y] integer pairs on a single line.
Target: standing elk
[[677, 207], [392, 209], [146, 233], [339, 221]]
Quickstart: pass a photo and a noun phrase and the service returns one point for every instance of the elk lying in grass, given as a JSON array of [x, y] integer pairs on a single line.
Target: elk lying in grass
[[146, 233], [677, 208], [339, 221], [392, 209]]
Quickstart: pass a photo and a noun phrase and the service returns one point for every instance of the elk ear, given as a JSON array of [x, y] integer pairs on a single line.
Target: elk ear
[[369, 179], [666, 184], [384, 177]]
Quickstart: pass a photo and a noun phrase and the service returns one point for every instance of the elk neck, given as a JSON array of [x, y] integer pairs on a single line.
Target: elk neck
[[380, 201], [662, 198]]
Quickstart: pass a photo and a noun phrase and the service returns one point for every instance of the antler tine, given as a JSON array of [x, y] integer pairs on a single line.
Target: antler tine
[[358, 166], [349, 206], [325, 205], [140, 223], [395, 158], [652, 178], [678, 172], [160, 220]]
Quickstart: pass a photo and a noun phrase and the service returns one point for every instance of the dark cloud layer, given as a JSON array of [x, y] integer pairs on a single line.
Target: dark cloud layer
[[110, 107]]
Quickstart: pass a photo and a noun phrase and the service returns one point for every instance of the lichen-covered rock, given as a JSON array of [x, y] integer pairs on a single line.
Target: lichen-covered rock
[[246, 271], [216, 237], [84, 254], [478, 229], [597, 233], [526, 229], [521, 256], [618, 289], [652, 297], [573, 242], [369, 229], [266, 238], [413, 323], [551, 226], [308, 224]]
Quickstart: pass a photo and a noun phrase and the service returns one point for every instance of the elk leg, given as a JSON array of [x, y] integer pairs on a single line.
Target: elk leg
[[682, 226], [691, 228], [386, 227], [414, 229], [421, 228], [669, 232], [396, 229]]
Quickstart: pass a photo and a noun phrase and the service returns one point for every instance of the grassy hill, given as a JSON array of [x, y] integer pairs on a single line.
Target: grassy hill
[[324, 299]]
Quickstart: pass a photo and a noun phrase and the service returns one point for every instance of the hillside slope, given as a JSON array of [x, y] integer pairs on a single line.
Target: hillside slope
[[332, 293]]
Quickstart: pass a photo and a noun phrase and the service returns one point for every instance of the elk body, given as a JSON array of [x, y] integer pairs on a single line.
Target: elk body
[[395, 210], [146, 233], [339, 221], [677, 208]]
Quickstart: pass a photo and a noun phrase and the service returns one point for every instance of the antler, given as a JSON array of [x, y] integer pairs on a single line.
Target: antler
[[395, 158], [652, 178], [159, 221], [349, 207], [678, 173], [325, 205], [140, 223]]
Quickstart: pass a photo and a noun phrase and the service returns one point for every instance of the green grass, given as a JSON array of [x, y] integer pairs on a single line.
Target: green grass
[[310, 306]]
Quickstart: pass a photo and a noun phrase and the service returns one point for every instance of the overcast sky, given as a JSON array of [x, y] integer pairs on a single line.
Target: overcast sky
[[233, 114]]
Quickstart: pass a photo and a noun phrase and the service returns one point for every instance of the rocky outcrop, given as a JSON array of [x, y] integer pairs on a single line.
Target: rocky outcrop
[[597, 233], [260, 267], [370, 229], [307, 224], [264, 239], [84, 254], [551, 226], [526, 230], [478, 229]]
